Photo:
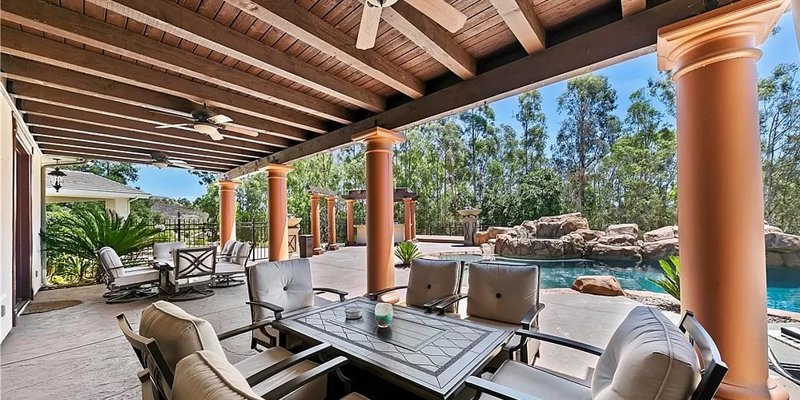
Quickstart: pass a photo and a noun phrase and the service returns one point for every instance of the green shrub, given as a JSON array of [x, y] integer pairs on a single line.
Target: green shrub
[[406, 252], [671, 280]]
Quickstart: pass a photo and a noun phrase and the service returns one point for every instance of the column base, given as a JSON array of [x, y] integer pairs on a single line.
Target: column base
[[773, 390], [333, 247], [318, 251], [350, 243]]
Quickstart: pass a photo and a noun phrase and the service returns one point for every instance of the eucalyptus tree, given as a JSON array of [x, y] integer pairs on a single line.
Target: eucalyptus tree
[[479, 131], [534, 131]]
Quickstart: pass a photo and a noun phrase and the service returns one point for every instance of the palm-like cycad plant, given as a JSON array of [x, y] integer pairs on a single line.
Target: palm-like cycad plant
[[82, 232], [671, 279], [407, 252]]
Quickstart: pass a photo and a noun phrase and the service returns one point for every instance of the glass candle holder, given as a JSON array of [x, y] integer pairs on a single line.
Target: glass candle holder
[[384, 313]]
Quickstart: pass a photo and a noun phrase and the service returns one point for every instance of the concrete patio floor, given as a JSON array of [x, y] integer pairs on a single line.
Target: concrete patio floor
[[79, 352]]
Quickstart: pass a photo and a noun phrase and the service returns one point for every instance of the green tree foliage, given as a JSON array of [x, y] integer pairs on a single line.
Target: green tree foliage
[[779, 105], [586, 134], [534, 131]]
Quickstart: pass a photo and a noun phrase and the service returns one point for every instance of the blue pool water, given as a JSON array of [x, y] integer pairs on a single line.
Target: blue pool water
[[783, 284]]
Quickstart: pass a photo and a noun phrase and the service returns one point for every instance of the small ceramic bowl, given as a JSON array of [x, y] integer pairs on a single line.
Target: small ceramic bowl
[[352, 312]]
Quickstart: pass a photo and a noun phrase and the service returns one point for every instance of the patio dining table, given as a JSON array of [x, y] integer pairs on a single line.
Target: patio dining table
[[428, 355]]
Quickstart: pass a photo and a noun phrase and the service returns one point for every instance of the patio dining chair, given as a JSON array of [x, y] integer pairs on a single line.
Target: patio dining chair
[[278, 288], [167, 334], [232, 265], [192, 273], [502, 294], [163, 253], [226, 251], [126, 283], [648, 357], [429, 282]]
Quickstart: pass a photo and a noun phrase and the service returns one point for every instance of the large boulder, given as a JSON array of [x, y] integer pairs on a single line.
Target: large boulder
[[601, 251], [566, 247], [492, 233], [559, 225], [663, 233], [782, 242], [623, 229], [604, 285], [660, 249], [590, 234], [619, 240], [771, 229]]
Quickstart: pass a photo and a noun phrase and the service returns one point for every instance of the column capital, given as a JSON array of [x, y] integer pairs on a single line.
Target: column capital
[[348, 201], [732, 31], [227, 184], [330, 199], [379, 134], [278, 169]]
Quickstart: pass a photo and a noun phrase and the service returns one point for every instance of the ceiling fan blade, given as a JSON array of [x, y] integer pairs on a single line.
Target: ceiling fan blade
[[175, 114], [441, 12], [220, 119], [215, 135], [368, 29], [182, 165], [173, 126]]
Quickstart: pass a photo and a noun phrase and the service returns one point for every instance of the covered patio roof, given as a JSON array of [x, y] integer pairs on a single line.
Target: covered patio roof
[[94, 78]]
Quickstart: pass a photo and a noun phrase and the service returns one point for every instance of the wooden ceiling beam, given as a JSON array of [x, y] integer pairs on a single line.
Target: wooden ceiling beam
[[630, 7], [47, 110], [615, 42], [19, 69], [298, 22], [44, 139], [104, 156], [523, 22], [121, 136], [38, 96], [186, 24], [44, 50], [431, 37], [52, 19]]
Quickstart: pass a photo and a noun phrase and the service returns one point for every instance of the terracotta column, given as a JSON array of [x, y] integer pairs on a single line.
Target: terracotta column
[[332, 223], [380, 201], [316, 244], [278, 212], [407, 218], [414, 220], [227, 211], [351, 237], [720, 193]]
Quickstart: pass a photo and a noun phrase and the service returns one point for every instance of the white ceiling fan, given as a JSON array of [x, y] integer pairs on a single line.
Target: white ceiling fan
[[440, 11], [161, 160], [205, 122]]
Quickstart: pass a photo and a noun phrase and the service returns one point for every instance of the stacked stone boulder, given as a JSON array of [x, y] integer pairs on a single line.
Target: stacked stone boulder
[[546, 237], [660, 243]]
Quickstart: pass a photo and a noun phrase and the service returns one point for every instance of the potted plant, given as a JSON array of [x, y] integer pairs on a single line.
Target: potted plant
[[406, 252]]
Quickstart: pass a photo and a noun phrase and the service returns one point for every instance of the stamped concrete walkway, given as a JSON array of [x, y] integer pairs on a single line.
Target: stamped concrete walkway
[[79, 353]]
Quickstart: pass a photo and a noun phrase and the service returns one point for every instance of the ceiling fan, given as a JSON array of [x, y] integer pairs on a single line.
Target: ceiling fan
[[204, 121], [161, 160], [440, 11]]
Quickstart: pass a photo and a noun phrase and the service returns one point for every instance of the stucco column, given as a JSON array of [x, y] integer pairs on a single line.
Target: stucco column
[[332, 223], [407, 219], [278, 212], [227, 211], [351, 237], [414, 220], [316, 243], [380, 201], [720, 192]]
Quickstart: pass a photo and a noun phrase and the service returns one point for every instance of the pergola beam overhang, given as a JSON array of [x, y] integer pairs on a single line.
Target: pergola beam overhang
[[618, 41]]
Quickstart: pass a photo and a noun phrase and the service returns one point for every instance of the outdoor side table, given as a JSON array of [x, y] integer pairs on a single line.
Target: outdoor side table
[[428, 355]]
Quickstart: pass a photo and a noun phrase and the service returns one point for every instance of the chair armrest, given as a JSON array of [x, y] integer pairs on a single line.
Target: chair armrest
[[269, 306], [292, 360], [304, 378], [341, 293], [374, 295], [431, 304], [561, 341], [238, 331], [531, 315], [496, 390], [448, 301]]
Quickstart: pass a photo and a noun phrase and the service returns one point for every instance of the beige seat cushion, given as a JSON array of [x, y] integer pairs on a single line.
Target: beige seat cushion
[[531, 345], [111, 261], [284, 283], [162, 252], [538, 383], [430, 280], [177, 333], [647, 358], [227, 268], [227, 250], [138, 278], [502, 292], [207, 375]]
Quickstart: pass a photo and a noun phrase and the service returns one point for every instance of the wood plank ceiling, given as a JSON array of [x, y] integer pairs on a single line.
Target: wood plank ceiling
[[95, 77]]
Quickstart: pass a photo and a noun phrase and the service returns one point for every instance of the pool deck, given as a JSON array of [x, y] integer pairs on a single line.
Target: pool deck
[[79, 352]]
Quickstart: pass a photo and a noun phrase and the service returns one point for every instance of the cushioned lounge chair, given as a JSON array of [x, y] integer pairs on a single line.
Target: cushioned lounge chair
[[429, 282], [278, 288], [648, 357], [167, 334], [192, 273], [232, 265], [126, 283], [502, 294], [164, 253]]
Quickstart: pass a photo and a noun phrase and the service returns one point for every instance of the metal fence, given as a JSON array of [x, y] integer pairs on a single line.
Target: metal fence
[[257, 233]]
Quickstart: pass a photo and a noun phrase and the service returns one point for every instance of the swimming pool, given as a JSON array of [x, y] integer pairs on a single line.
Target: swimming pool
[[783, 283]]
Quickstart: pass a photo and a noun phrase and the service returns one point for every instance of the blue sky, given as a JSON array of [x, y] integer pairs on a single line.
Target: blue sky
[[625, 77]]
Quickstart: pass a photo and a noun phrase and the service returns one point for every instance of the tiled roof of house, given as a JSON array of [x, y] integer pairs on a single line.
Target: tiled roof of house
[[89, 182]]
